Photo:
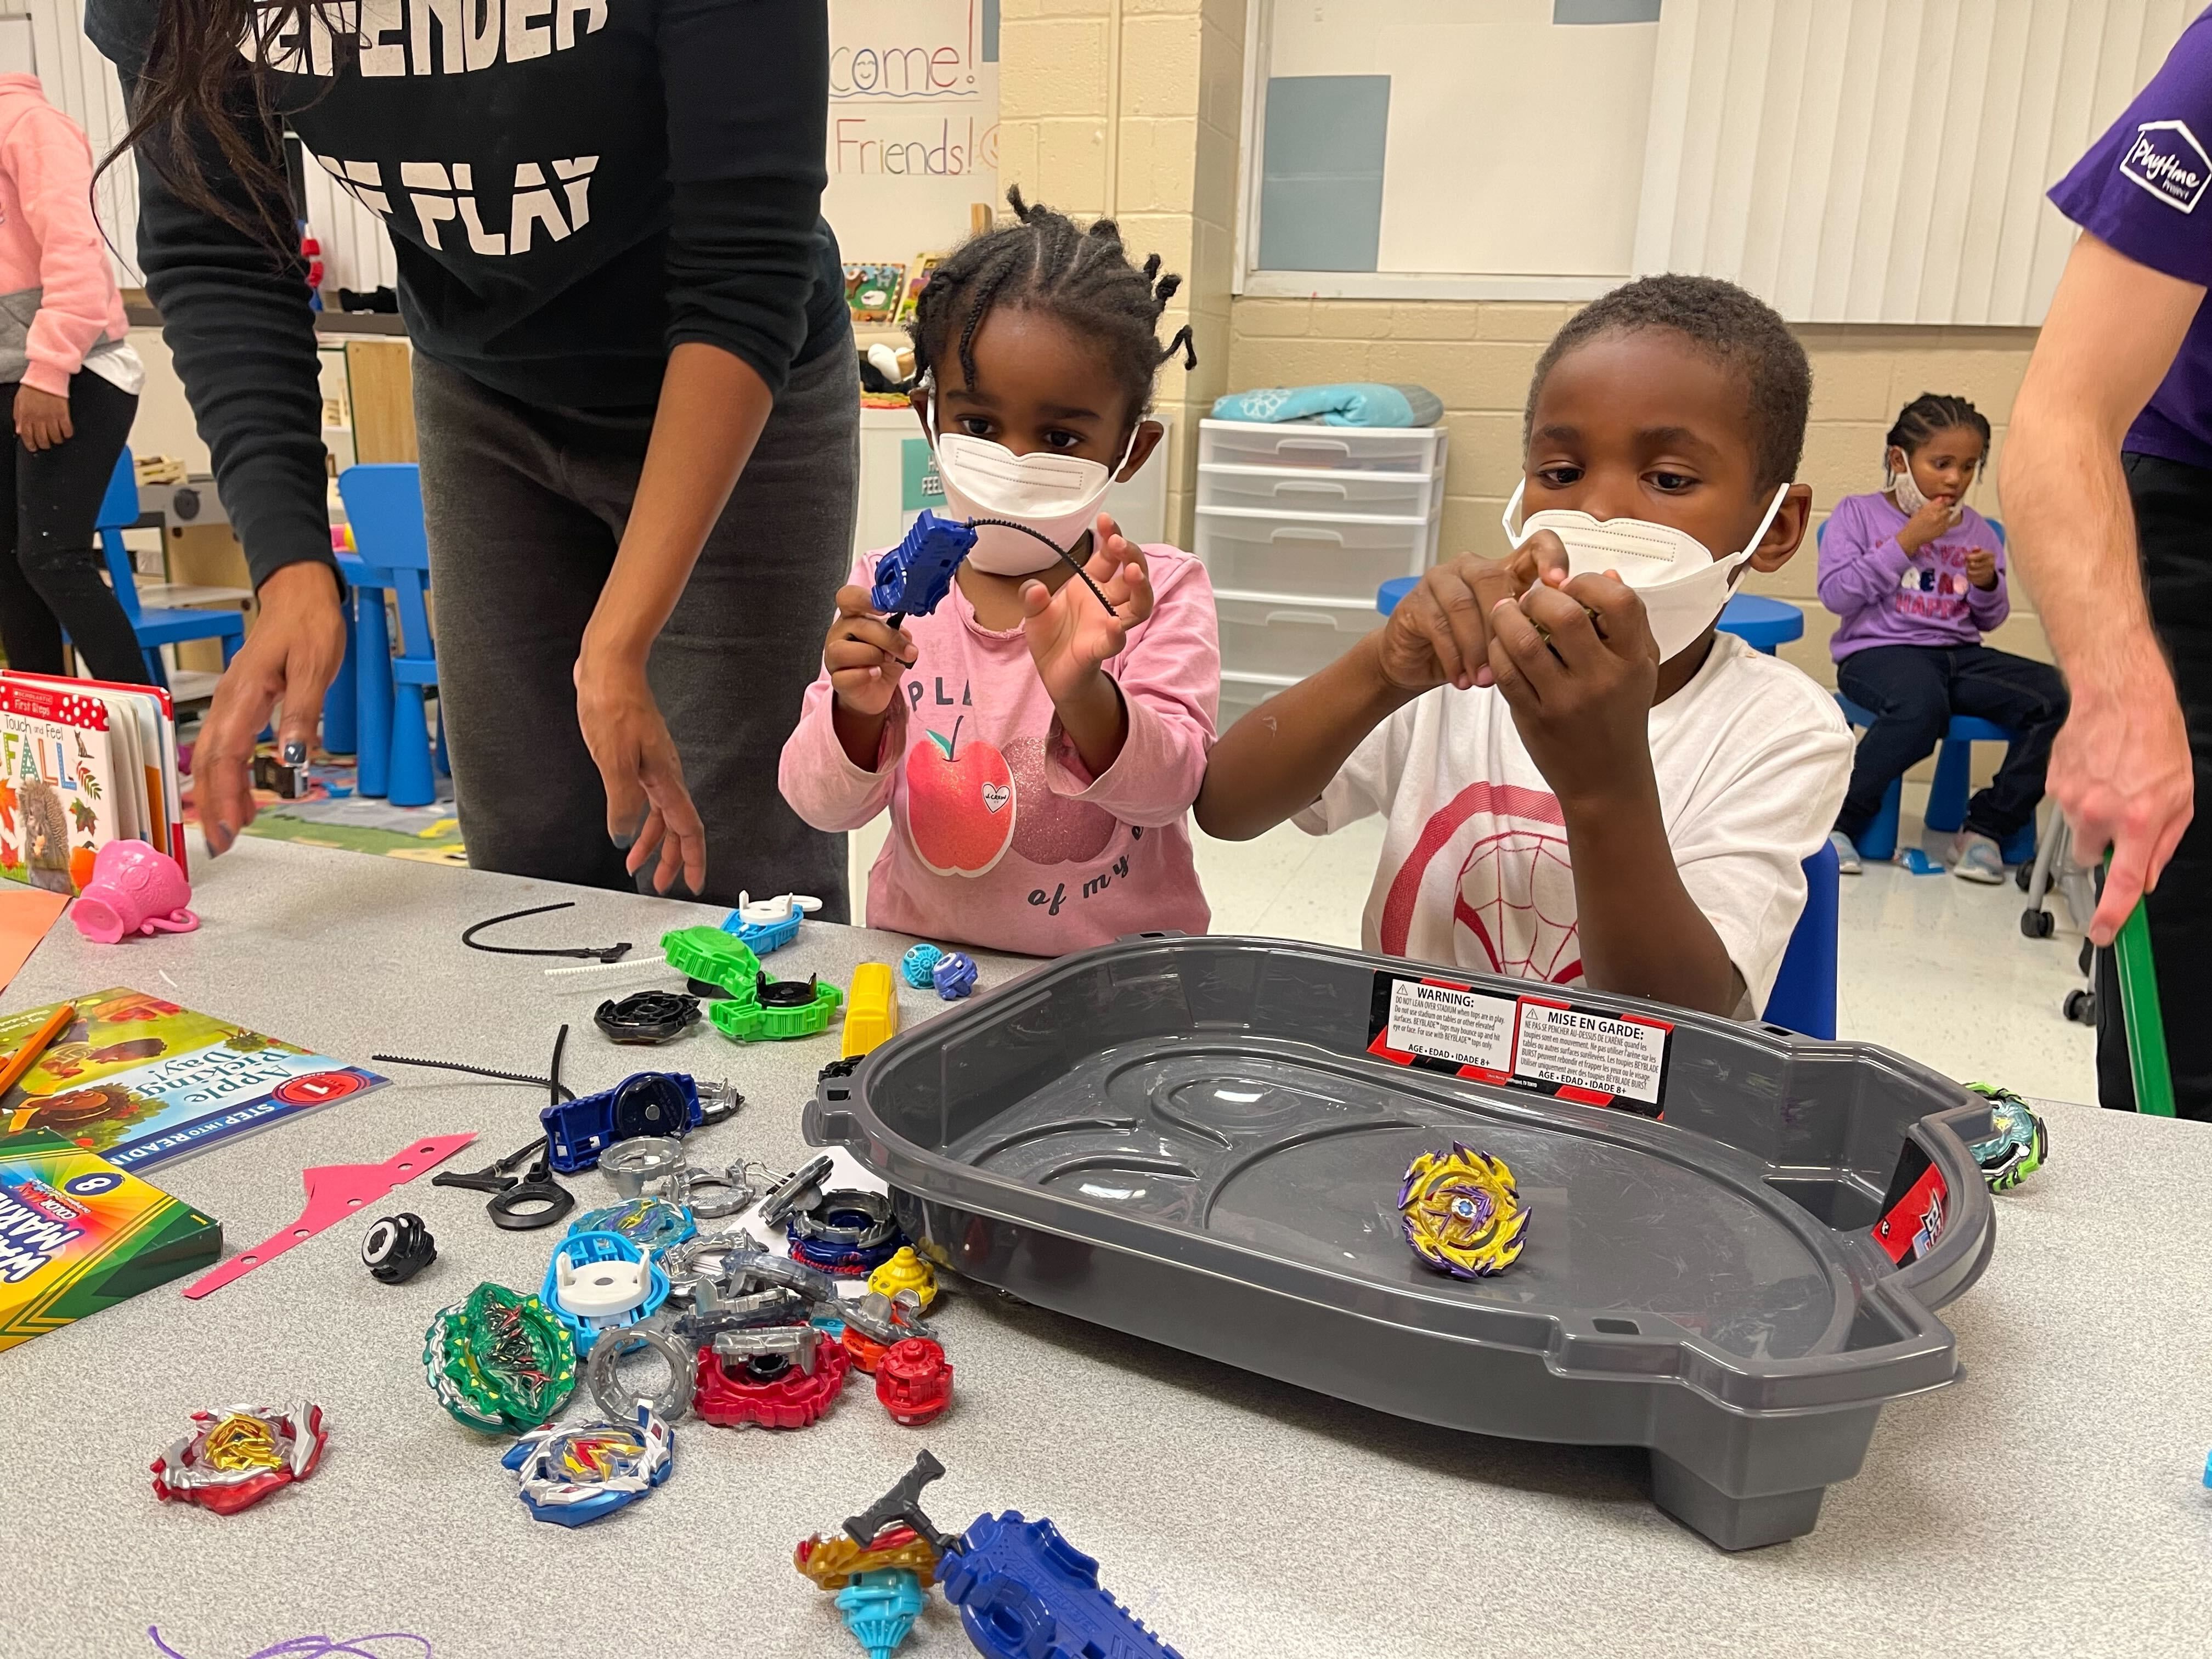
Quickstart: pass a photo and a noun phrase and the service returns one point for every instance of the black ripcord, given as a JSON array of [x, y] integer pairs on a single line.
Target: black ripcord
[[565, 1093], [592, 952]]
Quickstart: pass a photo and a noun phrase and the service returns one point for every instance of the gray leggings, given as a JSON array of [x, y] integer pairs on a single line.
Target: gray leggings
[[524, 509]]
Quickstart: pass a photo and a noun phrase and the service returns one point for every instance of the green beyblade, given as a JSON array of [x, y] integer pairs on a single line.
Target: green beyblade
[[773, 1009], [499, 1361], [714, 958], [2019, 1146]]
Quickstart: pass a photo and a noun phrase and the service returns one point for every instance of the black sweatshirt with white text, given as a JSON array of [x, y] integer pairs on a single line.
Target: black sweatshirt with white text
[[573, 187]]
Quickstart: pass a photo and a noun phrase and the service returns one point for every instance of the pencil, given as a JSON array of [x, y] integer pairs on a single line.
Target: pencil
[[25, 1057]]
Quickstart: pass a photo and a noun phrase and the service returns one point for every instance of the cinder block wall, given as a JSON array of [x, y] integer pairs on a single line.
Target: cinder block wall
[[1478, 356]]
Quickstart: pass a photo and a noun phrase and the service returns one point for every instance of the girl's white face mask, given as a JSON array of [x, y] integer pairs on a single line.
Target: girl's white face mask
[[1682, 585], [1910, 501], [1056, 495]]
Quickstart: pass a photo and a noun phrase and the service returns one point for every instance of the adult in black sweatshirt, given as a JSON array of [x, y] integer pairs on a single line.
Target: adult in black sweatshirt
[[623, 303]]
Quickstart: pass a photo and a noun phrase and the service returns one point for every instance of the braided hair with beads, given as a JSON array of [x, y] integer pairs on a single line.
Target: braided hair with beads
[[1042, 262]]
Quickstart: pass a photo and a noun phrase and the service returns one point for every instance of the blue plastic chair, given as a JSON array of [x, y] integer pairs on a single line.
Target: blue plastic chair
[[155, 625], [384, 504], [1804, 996], [1760, 623]]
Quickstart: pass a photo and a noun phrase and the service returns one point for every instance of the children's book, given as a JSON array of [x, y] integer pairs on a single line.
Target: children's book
[[77, 1235], [141, 1081], [142, 721], [58, 783]]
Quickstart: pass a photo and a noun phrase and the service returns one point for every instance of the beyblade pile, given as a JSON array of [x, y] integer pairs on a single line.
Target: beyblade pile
[[233, 1459], [1461, 1213], [573, 1476], [1023, 1590], [2019, 1144], [741, 1336]]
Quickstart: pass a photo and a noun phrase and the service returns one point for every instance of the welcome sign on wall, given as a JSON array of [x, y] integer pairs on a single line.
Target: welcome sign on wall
[[914, 121]]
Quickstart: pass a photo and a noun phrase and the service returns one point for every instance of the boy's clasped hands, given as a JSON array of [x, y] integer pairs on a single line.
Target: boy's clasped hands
[[1573, 656]]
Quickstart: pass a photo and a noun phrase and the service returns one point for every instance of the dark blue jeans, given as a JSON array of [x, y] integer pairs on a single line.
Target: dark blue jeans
[[1912, 691]]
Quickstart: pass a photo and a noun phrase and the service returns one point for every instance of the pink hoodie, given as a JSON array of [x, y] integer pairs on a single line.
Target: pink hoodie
[[58, 294]]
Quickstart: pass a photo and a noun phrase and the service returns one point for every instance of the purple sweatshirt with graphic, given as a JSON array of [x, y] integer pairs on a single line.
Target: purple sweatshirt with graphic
[[1886, 596]]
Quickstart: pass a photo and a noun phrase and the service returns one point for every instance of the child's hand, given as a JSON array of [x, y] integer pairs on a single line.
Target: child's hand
[[1581, 697], [1930, 521], [1982, 567], [1440, 632], [1069, 632], [865, 655]]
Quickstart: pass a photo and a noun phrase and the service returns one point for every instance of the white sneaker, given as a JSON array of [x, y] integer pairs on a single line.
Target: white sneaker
[[1847, 856], [1976, 858]]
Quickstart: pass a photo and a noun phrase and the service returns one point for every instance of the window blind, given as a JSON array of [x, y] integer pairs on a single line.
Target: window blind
[[1884, 160]]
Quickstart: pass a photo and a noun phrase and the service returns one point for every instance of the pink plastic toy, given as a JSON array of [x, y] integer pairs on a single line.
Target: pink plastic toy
[[135, 889]]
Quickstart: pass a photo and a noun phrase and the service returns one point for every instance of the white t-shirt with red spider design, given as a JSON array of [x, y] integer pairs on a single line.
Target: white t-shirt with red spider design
[[1751, 757]]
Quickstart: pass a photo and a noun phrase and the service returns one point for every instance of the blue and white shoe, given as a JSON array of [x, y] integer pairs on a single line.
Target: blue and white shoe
[[1976, 858]]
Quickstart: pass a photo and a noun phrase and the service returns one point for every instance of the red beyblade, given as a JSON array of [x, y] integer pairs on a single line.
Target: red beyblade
[[913, 1380], [771, 1390], [233, 1459]]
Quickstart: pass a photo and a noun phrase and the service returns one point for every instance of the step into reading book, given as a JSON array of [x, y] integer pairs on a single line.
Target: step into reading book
[[141, 1081]]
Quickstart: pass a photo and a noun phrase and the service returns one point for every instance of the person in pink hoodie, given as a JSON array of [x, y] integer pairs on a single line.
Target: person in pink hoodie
[[1039, 736], [70, 384]]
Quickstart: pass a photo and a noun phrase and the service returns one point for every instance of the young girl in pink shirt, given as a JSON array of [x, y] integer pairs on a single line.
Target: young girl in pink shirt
[[1038, 753]]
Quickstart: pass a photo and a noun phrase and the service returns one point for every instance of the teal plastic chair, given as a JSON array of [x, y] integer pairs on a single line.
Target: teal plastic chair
[[384, 504], [155, 625]]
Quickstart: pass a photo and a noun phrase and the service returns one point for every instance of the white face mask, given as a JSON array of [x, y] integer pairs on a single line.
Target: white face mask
[[1910, 501], [1682, 585], [1056, 495]]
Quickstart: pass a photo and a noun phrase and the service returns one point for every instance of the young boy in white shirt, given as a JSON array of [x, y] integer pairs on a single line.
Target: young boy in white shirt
[[1586, 783]]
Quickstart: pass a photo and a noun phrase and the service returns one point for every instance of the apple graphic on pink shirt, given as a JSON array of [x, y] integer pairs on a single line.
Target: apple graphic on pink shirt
[[959, 804]]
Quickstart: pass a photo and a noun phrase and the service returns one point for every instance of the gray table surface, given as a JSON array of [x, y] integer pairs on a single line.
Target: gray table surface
[[2049, 1503]]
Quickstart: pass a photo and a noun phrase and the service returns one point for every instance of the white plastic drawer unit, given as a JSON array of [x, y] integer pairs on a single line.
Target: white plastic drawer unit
[[1418, 449], [1296, 637], [1279, 489], [1346, 557]]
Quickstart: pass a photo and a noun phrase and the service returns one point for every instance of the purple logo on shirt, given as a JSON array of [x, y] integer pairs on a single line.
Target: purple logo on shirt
[[2166, 160]]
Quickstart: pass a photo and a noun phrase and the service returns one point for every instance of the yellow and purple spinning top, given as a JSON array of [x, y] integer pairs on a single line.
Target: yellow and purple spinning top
[[1461, 1213]]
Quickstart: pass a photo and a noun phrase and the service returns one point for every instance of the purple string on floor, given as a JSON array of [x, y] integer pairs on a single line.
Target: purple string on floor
[[318, 1647]]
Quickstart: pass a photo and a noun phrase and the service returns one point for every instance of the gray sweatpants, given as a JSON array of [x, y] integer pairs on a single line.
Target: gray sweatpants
[[525, 508]]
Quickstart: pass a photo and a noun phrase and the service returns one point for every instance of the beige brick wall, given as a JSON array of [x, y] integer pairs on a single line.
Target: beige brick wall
[[1172, 71], [1478, 356]]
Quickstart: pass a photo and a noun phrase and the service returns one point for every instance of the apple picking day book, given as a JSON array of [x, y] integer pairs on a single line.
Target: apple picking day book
[[141, 1081]]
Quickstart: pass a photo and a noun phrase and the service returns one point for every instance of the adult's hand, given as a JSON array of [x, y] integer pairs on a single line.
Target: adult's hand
[[2122, 773], [291, 657], [648, 808], [42, 420]]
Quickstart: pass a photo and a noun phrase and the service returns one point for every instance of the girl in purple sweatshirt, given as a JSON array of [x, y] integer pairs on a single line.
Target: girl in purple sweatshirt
[[1918, 577]]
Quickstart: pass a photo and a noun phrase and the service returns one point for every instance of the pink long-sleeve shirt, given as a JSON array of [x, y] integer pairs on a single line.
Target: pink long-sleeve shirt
[[58, 301], [1000, 837]]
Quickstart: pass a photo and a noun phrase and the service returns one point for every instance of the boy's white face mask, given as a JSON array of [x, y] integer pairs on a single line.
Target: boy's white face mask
[[1682, 585], [1056, 495]]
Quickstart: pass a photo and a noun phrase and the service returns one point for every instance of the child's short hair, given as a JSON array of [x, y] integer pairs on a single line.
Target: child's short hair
[[1932, 412], [1733, 325], [1042, 262]]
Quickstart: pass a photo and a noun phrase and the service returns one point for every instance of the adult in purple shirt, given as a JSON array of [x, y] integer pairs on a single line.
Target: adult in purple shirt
[[2107, 489], [1917, 577]]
